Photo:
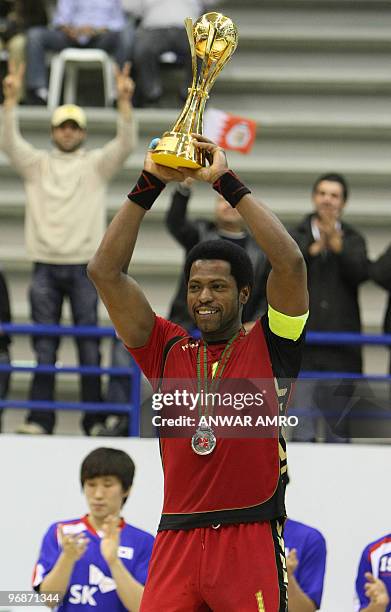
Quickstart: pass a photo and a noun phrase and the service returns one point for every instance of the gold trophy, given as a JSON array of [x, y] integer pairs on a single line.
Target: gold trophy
[[213, 39]]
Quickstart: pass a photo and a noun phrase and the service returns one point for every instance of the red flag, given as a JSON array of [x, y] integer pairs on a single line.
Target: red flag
[[229, 131]]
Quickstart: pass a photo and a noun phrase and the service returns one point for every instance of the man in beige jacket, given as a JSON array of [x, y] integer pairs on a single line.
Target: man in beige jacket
[[64, 223]]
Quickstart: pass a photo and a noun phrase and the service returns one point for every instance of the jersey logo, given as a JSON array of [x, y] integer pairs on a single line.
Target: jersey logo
[[105, 583], [191, 344], [125, 552], [82, 594], [385, 565]]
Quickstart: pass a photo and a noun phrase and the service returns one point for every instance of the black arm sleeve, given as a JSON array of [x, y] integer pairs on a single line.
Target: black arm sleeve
[[184, 231], [353, 260], [285, 354], [5, 309]]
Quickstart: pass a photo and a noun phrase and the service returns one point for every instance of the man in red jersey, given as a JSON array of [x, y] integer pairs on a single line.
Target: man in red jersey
[[220, 544]]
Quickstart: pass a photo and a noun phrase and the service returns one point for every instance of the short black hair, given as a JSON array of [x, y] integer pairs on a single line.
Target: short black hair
[[108, 462], [236, 256], [336, 178]]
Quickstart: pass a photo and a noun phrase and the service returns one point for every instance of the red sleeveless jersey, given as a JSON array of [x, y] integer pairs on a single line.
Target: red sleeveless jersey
[[242, 480]]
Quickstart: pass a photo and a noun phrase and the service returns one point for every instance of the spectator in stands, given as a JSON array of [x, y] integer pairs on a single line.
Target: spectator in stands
[[5, 340], [98, 560], [76, 23], [380, 272], [336, 259], [373, 582], [227, 224], [65, 220], [16, 16], [305, 551], [161, 29]]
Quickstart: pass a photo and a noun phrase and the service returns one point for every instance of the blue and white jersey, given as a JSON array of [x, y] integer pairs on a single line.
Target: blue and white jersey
[[376, 558], [310, 546], [91, 584]]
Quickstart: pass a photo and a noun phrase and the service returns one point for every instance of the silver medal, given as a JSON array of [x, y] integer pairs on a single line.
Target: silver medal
[[203, 441]]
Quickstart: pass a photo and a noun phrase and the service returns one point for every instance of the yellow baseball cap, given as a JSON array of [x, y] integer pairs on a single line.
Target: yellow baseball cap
[[69, 112]]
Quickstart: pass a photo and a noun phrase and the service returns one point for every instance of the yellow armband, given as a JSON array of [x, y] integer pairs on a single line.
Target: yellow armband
[[286, 326]]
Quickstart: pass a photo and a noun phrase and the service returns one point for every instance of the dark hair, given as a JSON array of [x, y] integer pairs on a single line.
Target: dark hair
[[336, 178], [108, 462], [241, 265]]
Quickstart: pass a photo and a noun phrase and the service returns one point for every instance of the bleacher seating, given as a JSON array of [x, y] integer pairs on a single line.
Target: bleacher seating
[[315, 76]]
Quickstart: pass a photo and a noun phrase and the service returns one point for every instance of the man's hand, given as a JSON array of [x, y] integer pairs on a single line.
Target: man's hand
[[330, 234], [110, 541], [216, 157], [291, 562], [164, 173], [70, 31], [376, 591], [12, 84], [73, 546], [125, 85]]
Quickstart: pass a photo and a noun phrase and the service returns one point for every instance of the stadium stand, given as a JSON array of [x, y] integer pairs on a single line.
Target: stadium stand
[[314, 74]]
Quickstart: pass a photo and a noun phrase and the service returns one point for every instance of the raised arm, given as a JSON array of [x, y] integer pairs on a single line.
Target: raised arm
[[22, 155], [110, 158], [178, 224], [129, 309], [287, 282]]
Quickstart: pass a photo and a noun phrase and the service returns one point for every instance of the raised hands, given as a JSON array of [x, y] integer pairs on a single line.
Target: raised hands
[[216, 158], [164, 173], [125, 84], [12, 83]]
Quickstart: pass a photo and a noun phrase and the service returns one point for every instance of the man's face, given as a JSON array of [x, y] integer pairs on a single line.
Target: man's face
[[68, 136], [104, 495], [213, 299], [328, 199], [226, 215]]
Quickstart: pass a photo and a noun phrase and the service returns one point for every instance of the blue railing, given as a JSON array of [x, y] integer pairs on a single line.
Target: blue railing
[[132, 408]]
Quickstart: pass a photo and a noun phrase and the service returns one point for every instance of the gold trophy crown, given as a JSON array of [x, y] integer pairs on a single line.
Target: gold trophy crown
[[213, 38]]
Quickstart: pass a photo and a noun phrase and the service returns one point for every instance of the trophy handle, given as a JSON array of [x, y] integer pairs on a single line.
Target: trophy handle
[[189, 31]]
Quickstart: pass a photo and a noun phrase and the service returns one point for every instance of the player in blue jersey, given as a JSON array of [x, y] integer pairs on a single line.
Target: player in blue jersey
[[305, 550], [98, 561], [373, 582]]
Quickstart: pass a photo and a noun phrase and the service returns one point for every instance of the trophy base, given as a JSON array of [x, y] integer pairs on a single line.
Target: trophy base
[[176, 150]]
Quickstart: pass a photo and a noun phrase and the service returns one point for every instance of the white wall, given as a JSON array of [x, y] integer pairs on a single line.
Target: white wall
[[343, 490]]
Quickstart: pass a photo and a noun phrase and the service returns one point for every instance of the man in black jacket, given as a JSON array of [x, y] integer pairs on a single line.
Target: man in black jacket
[[5, 340], [227, 224], [380, 272], [336, 259]]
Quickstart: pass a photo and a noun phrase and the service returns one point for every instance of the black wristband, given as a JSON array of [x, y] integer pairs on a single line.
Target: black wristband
[[230, 187], [146, 190]]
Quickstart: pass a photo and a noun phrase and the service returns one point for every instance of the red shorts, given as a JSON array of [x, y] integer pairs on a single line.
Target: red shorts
[[233, 568]]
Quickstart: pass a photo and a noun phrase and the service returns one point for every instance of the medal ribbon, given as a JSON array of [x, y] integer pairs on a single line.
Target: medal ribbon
[[216, 376]]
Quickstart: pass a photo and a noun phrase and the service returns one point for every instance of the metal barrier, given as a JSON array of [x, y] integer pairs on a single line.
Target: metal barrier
[[132, 408]]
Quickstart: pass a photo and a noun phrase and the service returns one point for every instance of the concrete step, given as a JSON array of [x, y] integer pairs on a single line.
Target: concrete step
[[358, 117], [287, 193], [284, 167]]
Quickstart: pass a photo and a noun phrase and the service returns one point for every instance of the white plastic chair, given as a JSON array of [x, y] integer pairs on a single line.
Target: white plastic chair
[[69, 61]]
